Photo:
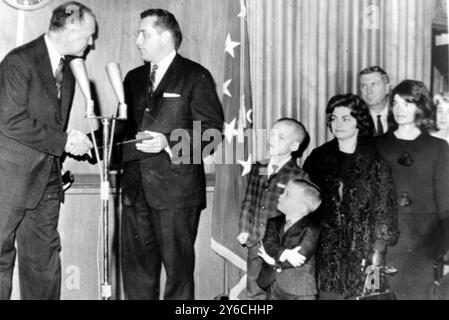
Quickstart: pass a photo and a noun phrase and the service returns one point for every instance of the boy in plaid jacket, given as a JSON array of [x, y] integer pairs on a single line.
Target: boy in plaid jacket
[[267, 181]]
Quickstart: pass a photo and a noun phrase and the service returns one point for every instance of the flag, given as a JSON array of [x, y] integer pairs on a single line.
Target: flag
[[233, 162]]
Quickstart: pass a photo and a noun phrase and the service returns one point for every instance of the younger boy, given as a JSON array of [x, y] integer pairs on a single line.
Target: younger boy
[[289, 245], [265, 184]]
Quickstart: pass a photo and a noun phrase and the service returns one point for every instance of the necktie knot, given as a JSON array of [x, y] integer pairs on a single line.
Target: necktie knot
[[274, 169]]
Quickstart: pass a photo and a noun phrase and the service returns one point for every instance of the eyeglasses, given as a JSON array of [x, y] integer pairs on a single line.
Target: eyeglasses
[[405, 160]]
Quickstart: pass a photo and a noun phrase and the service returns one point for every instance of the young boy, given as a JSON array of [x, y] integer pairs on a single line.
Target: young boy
[[265, 184], [289, 245]]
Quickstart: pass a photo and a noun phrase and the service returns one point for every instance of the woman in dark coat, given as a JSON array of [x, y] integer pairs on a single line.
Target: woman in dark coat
[[420, 166], [358, 216]]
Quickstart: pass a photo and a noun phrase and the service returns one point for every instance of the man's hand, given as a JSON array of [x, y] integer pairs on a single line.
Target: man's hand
[[243, 237], [154, 144], [77, 143], [264, 255], [293, 256]]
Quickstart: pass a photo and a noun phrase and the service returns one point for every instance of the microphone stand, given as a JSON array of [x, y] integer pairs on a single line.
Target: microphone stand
[[106, 288], [113, 70]]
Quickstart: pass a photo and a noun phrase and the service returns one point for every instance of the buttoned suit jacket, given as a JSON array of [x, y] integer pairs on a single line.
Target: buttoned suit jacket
[[32, 122], [183, 106]]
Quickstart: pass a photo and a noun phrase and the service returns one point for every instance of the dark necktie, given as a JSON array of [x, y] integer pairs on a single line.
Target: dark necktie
[[59, 73], [380, 128], [152, 79]]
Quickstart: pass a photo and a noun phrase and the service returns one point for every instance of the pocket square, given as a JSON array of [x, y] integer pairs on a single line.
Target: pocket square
[[171, 95]]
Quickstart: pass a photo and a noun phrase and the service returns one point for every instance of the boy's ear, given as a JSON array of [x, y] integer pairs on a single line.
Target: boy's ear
[[295, 146]]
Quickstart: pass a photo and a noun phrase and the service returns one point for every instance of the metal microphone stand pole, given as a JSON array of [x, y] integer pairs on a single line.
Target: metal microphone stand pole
[[106, 288]]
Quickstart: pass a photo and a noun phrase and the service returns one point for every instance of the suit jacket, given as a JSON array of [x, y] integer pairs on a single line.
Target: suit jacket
[[295, 281], [32, 122], [261, 197], [192, 108]]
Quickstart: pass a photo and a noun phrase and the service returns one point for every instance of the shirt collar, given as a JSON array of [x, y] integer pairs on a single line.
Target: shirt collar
[[383, 113], [55, 57], [290, 222], [163, 65], [279, 164]]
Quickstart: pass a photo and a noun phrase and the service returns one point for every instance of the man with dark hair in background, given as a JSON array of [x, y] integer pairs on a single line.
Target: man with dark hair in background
[[162, 201], [374, 85], [36, 93]]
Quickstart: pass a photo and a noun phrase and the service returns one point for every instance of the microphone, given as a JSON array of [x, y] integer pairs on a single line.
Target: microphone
[[79, 71], [115, 77]]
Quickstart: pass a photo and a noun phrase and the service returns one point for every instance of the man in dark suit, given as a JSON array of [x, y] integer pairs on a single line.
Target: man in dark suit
[[374, 84], [169, 97], [289, 245], [36, 92]]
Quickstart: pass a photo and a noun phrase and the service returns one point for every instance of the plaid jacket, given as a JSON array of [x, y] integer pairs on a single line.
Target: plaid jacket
[[261, 197]]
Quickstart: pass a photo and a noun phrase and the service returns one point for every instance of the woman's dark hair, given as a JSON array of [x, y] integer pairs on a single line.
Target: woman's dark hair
[[359, 110], [417, 93], [166, 21]]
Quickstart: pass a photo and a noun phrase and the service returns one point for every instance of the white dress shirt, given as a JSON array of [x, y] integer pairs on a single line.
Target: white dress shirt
[[55, 57], [162, 67]]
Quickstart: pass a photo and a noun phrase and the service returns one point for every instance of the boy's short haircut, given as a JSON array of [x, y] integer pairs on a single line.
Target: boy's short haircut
[[311, 193], [299, 130]]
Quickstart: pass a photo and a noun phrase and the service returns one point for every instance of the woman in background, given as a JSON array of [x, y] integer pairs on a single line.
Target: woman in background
[[442, 116], [358, 217], [420, 166]]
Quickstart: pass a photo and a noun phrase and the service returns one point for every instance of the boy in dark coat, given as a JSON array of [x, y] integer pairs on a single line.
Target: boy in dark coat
[[289, 245]]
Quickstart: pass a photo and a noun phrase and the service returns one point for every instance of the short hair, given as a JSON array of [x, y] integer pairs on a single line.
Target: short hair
[[440, 97], [359, 110], [375, 69], [165, 20], [417, 93], [310, 192], [298, 128], [437, 99], [73, 10]]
